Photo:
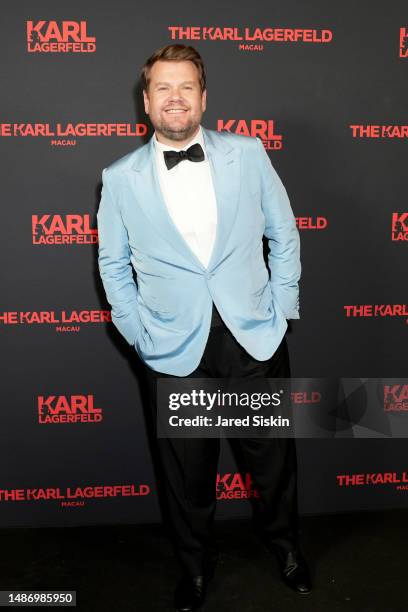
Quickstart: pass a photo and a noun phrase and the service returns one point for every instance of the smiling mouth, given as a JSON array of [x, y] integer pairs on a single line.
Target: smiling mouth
[[176, 111]]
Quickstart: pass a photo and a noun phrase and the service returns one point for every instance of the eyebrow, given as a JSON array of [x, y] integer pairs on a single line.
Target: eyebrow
[[183, 83]]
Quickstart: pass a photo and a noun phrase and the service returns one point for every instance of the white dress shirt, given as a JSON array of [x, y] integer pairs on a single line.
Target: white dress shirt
[[188, 192]]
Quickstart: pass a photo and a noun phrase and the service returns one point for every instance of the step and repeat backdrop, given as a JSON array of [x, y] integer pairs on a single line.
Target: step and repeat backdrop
[[325, 87]]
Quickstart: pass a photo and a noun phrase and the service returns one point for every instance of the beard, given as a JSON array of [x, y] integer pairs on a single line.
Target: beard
[[177, 132]]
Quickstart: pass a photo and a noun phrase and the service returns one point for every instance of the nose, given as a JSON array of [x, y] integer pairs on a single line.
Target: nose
[[175, 98]]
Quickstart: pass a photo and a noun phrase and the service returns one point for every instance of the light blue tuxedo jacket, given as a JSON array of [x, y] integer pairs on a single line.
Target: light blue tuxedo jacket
[[165, 312]]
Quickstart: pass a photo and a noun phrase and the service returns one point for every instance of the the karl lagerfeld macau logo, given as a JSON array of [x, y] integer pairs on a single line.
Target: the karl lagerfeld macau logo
[[62, 409], [65, 320], [250, 39], [59, 37], [399, 226], [73, 496], [400, 479], [67, 134], [63, 229], [403, 46], [376, 310]]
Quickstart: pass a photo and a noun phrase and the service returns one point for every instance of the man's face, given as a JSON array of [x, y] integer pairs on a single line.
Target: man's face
[[174, 101]]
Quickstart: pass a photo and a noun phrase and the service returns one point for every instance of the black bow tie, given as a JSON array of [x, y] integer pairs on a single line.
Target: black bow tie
[[194, 153]]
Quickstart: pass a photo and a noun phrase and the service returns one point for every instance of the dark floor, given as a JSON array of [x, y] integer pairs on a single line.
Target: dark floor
[[358, 563]]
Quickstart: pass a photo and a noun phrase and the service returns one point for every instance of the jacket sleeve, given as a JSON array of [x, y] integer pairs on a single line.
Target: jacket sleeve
[[115, 266], [283, 238]]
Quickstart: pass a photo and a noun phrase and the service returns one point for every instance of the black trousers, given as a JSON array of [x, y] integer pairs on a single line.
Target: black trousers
[[189, 465]]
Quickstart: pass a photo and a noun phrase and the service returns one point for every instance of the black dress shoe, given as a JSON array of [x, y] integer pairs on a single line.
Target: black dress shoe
[[190, 593], [294, 570]]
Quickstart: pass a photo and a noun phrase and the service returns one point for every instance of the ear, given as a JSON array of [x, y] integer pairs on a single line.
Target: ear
[[146, 101], [204, 100]]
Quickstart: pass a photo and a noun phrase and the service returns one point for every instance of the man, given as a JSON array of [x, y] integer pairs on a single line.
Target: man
[[188, 211]]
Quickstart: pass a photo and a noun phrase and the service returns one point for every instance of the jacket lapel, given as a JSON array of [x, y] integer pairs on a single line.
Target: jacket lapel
[[224, 160], [225, 163]]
